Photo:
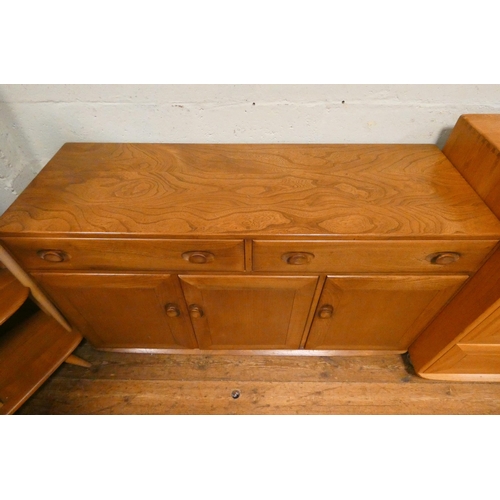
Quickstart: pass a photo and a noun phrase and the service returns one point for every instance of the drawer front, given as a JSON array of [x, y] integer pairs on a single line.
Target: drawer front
[[127, 254], [427, 256]]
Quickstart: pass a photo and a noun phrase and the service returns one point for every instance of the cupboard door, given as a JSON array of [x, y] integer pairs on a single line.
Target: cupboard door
[[249, 312], [377, 312], [123, 311]]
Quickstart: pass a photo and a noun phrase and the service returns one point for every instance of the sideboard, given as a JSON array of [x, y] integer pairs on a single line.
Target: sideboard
[[283, 248]]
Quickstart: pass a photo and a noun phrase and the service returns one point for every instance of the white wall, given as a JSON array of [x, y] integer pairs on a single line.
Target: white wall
[[35, 120]]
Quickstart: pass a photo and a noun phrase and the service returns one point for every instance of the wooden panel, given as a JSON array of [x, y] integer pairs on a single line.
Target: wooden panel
[[486, 329], [126, 254], [12, 295], [29, 354], [250, 312], [370, 256], [470, 303], [474, 149], [467, 362], [396, 191], [125, 310], [476, 356], [378, 312]]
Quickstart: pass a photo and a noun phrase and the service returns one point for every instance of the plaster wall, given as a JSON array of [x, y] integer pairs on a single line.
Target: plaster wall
[[36, 120]]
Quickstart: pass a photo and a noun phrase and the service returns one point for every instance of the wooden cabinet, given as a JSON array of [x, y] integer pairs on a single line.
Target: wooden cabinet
[[377, 312], [249, 312], [475, 355], [463, 343], [156, 311], [250, 247], [123, 310]]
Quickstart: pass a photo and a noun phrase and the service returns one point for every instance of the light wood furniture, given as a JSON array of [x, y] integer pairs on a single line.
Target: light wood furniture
[[33, 344], [318, 249], [12, 295], [463, 342], [24, 279]]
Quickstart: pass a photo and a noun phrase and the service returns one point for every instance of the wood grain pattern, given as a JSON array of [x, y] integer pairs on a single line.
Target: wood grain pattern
[[479, 363], [475, 353], [263, 398], [250, 312], [25, 279], [486, 329], [378, 312], [478, 294], [125, 213], [474, 149], [29, 354], [214, 366], [371, 256], [201, 384], [113, 254], [12, 295], [122, 310], [395, 191]]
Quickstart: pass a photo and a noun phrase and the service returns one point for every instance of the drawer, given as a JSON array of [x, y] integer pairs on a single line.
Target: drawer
[[127, 254], [429, 256]]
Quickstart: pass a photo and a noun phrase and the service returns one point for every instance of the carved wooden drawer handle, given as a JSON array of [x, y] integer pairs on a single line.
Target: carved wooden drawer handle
[[325, 311], [53, 255], [443, 258], [198, 257], [297, 258], [195, 311], [172, 311]]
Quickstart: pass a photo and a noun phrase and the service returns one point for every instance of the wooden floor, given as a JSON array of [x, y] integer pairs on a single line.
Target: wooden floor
[[123, 383]]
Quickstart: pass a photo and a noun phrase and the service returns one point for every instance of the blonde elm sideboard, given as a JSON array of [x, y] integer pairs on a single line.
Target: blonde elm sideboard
[[331, 249]]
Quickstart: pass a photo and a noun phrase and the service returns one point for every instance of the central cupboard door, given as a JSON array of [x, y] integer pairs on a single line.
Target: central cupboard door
[[382, 312], [249, 312]]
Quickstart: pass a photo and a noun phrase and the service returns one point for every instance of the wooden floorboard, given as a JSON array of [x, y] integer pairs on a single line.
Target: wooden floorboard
[[125, 383]]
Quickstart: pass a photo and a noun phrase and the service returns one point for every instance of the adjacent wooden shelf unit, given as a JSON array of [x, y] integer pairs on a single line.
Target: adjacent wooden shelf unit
[[29, 354], [244, 247], [450, 347], [32, 344], [12, 295]]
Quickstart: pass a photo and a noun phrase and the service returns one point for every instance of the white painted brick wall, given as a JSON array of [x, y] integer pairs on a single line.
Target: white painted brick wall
[[35, 120]]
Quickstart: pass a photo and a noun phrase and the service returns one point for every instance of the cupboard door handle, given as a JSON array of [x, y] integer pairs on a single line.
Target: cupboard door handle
[[198, 257], [325, 311], [297, 258], [443, 258], [53, 255], [172, 311], [195, 311]]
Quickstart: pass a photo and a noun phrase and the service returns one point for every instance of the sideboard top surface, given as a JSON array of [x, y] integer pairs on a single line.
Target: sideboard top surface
[[199, 190]]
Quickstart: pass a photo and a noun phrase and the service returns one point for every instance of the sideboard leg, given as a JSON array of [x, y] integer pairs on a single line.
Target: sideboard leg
[[75, 360]]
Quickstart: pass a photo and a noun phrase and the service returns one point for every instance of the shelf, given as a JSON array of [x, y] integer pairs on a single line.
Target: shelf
[[29, 354], [12, 295]]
